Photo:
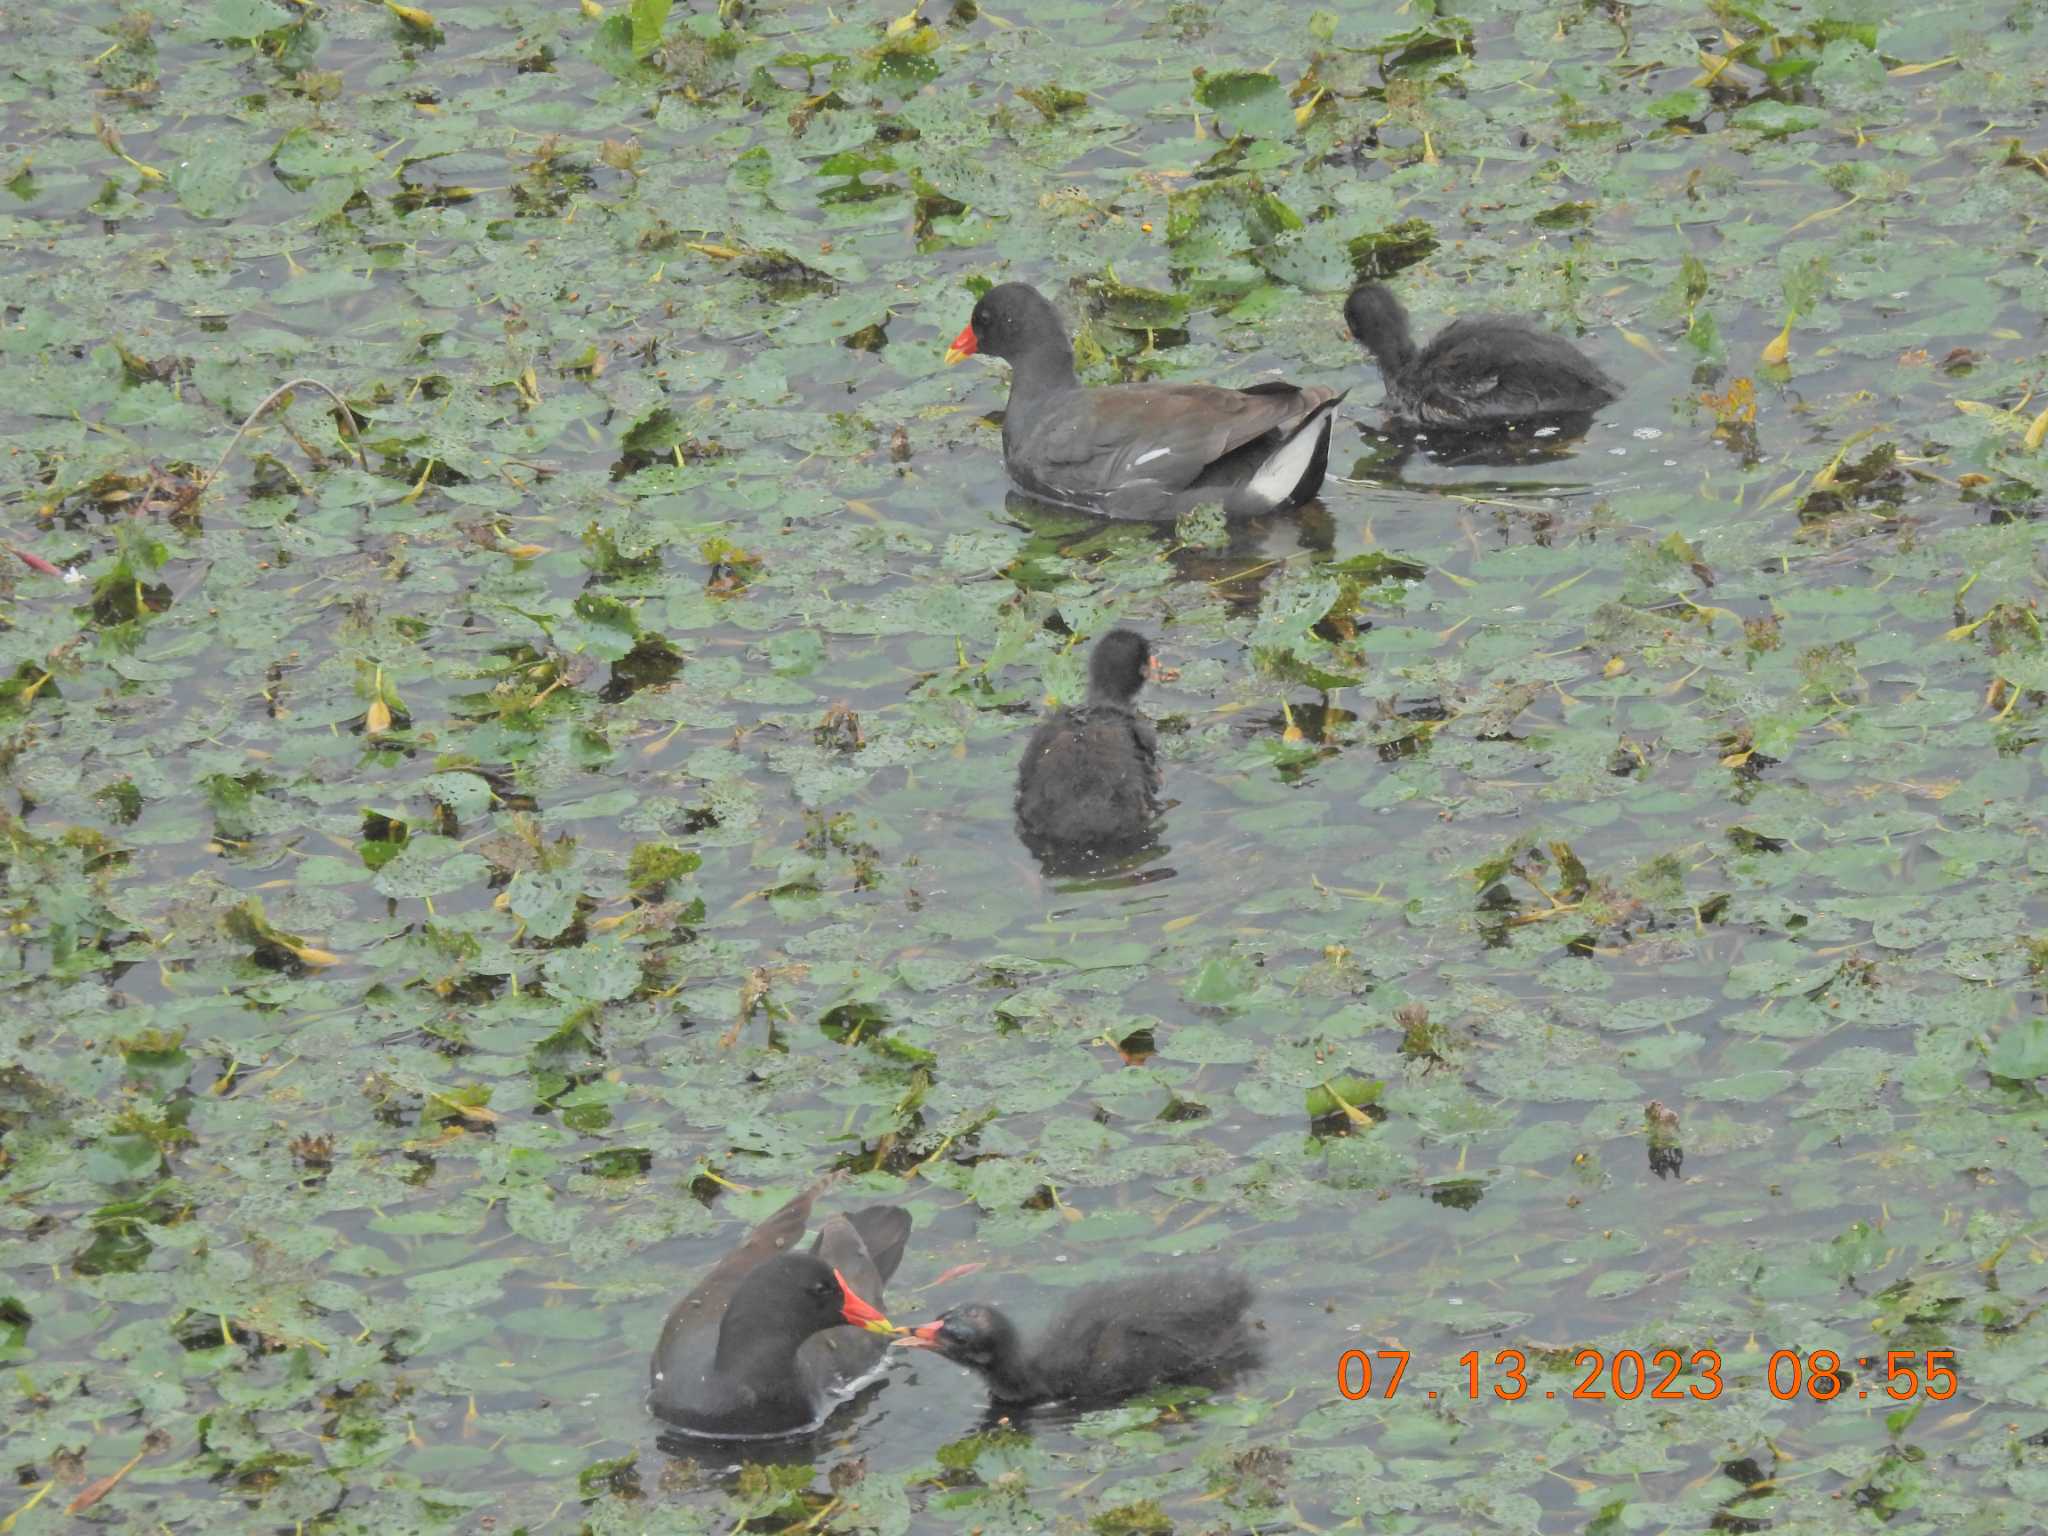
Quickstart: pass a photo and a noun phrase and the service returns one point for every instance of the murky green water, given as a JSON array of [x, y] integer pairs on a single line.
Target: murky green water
[[390, 850]]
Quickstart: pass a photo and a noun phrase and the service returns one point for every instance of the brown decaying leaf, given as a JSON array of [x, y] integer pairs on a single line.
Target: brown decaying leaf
[[839, 729], [100, 1487], [754, 991]]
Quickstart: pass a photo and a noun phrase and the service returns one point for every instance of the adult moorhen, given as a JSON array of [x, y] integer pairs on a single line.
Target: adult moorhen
[[1111, 1342], [762, 1345], [1475, 372], [1142, 450], [1089, 780]]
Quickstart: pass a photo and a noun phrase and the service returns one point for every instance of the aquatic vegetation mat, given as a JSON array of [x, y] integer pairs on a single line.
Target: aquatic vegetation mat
[[542, 794]]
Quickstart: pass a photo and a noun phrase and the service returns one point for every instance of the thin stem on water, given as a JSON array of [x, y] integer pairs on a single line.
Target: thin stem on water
[[354, 430]]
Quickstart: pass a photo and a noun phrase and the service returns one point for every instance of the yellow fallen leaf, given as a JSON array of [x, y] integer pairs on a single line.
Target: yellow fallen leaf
[[1713, 64], [719, 252], [525, 551], [592, 10], [1904, 70], [1780, 347], [378, 719], [467, 1111], [2036, 433], [902, 24], [1735, 759], [1825, 480], [1972, 480], [1641, 342], [311, 956], [1780, 493], [1614, 668], [1307, 109], [1976, 408], [412, 16], [1825, 213]]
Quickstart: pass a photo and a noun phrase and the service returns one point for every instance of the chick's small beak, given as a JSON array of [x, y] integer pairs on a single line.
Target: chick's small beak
[[925, 1336], [966, 344], [1159, 672], [858, 1312]]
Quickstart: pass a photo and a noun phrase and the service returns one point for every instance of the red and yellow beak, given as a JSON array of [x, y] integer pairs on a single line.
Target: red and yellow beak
[[966, 344], [1159, 672], [926, 1336], [858, 1312]]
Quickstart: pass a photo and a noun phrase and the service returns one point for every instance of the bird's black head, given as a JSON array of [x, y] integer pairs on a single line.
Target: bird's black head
[[1378, 322], [974, 1334], [1121, 662], [1010, 321], [792, 1295]]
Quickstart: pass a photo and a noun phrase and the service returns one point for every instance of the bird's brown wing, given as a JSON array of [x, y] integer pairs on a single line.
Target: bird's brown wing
[[705, 1305], [1165, 435], [865, 1246]]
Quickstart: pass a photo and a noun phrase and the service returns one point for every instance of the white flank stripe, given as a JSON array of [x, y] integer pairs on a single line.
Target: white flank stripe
[[1280, 474], [1147, 458]]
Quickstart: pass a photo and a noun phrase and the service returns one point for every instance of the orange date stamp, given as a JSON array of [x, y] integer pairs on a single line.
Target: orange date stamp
[[1668, 1375]]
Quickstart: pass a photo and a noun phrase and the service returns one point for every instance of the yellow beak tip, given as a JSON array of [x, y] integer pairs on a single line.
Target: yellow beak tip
[[955, 355]]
